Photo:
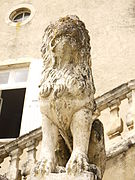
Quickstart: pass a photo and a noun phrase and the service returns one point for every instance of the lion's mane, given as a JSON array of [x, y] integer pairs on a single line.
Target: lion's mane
[[72, 29]]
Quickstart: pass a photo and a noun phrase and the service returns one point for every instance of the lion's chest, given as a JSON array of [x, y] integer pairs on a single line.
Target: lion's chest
[[60, 111]]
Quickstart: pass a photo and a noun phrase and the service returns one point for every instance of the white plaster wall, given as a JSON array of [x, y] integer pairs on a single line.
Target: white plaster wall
[[112, 29], [111, 25], [121, 167]]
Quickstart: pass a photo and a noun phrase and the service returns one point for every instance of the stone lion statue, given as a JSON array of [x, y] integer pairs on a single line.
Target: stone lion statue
[[70, 136]]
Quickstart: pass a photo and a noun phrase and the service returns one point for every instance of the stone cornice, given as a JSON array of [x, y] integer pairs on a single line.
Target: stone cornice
[[118, 93]]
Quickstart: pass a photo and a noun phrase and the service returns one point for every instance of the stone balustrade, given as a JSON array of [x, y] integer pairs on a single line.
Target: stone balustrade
[[119, 133], [112, 101], [14, 150]]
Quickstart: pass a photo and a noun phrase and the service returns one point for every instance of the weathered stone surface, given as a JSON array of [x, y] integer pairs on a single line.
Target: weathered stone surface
[[118, 148], [63, 176], [67, 102], [3, 177]]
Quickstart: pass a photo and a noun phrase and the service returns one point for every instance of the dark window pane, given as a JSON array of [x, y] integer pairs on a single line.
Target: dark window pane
[[11, 112], [1, 100], [18, 18], [26, 14]]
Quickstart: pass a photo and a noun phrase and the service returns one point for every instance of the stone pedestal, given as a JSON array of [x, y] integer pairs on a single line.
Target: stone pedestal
[[64, 176]]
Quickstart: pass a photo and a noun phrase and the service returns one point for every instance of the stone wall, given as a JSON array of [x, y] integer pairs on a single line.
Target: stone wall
[[112, 29], [124, 168], [111, 26]]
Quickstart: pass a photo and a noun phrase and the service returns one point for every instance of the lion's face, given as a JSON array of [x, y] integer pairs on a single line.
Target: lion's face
[[66, 42], [66, 52]]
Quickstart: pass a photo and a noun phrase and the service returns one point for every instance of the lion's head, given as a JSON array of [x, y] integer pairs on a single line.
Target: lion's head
[[73, 37]]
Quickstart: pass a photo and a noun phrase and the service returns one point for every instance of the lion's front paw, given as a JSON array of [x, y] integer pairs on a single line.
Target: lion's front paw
[[77, 163], [44, 166]]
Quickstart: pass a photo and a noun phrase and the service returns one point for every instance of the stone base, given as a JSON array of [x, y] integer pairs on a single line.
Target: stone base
[[64, 176]]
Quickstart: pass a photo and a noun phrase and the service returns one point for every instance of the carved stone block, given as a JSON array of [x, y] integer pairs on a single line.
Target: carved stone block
[[63, 176], [67, 104]]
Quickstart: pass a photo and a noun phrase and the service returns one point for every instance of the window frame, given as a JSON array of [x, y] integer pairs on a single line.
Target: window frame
[[31, 109], [13, 85], [12, 11], [20, 11]]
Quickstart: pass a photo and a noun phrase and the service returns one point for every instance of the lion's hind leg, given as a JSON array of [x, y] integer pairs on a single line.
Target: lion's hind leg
[[96, 152]]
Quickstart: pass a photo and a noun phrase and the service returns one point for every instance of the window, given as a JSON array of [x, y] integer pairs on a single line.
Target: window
[[11, 112], [21, 75], [20, 14], [13, 77], [4, 77], [12, 95]]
